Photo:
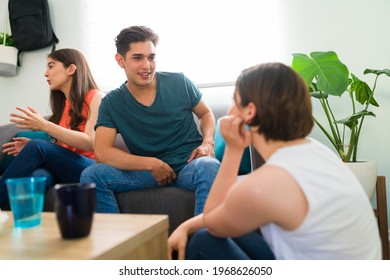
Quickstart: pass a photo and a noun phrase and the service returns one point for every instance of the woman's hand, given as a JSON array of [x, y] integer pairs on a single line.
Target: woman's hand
[[233, 130], [14, 147], [177, 241], [30, 120]]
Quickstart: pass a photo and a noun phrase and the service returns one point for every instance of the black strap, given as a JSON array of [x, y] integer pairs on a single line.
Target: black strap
[[53, 48], [19, 52]]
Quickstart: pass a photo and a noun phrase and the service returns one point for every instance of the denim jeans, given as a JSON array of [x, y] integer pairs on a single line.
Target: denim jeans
[[42, 158], [204, 246], [197, 175]]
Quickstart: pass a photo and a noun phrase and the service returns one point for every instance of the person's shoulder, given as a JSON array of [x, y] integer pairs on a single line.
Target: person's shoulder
[[95, 93], [272, 179], [115, 92]]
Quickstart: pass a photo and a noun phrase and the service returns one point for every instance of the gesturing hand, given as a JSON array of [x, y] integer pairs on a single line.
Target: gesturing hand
[[14, 148], [30, 120]]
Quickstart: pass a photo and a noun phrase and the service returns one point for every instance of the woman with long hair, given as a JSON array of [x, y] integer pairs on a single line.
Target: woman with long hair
[[74, 101]]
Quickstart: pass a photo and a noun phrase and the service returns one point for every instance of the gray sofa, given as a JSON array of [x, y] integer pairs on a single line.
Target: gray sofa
[[177, 203]]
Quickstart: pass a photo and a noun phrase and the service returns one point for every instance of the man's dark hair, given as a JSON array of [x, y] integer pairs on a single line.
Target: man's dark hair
[[134, 34]]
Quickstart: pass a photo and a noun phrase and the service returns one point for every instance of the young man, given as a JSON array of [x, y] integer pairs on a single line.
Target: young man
[[153, 111], [305, 201]]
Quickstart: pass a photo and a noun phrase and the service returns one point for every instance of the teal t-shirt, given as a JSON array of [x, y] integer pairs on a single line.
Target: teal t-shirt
[[165, 130]]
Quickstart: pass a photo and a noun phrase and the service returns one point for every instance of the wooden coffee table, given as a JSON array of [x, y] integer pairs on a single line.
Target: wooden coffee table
[[112, 237]]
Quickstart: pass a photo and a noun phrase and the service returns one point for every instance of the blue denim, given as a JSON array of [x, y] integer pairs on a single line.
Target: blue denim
[[42, 158], [204, 246], [197, 175]]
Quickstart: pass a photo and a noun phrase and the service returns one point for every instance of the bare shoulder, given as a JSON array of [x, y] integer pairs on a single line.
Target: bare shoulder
[[274, 191], [96, 100], [98, 95]]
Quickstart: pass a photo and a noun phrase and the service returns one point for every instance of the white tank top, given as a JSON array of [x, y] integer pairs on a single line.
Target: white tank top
[[340, 222]]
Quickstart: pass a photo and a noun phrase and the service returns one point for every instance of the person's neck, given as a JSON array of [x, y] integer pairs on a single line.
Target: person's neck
[[266, 148], [143, 94], [66, 89]]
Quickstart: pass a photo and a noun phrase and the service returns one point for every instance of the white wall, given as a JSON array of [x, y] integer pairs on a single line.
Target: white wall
[[356, 30], [29, 87]]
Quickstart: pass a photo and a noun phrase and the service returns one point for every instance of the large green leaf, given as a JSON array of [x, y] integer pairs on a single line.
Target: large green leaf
[[352, 121], [329, 73], [362, 91]]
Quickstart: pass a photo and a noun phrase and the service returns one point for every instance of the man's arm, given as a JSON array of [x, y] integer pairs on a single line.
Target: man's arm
[[207, 127], [106, 152]]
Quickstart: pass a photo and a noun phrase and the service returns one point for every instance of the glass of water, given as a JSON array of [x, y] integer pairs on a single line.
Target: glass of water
[[26, 197]]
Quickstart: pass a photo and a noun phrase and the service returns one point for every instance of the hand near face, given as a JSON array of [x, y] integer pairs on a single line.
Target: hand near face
[[14, 147], [30, 119], [233, 130]]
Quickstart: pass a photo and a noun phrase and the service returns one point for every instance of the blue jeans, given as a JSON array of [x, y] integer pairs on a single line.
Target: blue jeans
[[197, 175], [204, 246], [42, 158]]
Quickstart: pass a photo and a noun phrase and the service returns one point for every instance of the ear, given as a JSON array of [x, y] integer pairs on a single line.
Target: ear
[[120, 60], [250, 112], [72, 69]]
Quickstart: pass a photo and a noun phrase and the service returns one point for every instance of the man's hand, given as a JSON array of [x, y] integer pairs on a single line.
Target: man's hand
[[206, 149], [163, 173]]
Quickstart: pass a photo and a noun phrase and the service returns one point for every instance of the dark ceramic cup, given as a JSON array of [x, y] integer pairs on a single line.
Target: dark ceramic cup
[[74, 207]]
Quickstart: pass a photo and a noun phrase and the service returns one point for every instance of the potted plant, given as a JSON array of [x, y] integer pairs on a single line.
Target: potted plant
[[9, 41], [8, 55], [328, 77]]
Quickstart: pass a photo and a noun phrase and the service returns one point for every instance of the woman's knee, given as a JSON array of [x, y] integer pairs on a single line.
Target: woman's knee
[[36, 144]]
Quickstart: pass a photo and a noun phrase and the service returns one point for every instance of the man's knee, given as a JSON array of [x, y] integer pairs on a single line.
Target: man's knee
[[209, 164], [90, 173]]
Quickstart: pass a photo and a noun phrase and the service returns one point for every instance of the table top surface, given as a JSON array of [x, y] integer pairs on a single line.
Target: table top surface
[[110, 233]]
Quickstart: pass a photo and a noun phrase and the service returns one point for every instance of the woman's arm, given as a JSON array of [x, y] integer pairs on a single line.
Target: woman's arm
[[32, 119], [177, 241]]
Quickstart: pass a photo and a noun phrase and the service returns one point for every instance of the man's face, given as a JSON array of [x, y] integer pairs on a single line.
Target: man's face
[[139, 64]]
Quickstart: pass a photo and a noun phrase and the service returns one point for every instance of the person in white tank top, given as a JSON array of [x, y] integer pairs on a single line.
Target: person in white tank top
[[305, 201]]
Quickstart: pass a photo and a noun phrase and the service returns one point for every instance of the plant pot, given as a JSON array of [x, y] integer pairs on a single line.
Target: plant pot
[[366, 172]]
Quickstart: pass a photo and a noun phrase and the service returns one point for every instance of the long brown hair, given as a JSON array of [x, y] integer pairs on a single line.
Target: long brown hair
[[82, 83]]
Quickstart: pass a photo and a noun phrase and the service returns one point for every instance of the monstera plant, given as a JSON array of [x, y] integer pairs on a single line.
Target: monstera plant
[[328, 78]]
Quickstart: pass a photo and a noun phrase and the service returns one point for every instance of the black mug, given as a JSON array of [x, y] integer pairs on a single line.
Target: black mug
[[74, 207]]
